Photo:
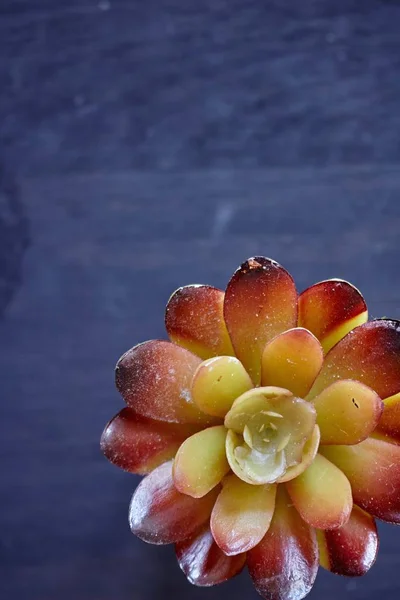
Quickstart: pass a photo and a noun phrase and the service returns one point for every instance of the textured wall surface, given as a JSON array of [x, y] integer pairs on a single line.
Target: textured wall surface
[[208, 83], [143, 146]]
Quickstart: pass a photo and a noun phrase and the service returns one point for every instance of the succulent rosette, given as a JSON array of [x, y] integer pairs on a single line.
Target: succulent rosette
[[268, 429]]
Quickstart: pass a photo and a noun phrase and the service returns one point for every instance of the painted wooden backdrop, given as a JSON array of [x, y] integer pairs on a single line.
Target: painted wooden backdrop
[[147, 145]]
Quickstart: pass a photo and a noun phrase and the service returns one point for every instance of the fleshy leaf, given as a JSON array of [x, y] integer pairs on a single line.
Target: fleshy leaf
[[203, 563], [352, 549], [138, 444], [159, 514], [217, 383], [322, 494], [194, 319], [260, 303], [292, 360], [283, 566], [347, 412], [330, 309], [389, 423], [370, 354], [241, 515], [200, 463], [373, 469], [154, 379]]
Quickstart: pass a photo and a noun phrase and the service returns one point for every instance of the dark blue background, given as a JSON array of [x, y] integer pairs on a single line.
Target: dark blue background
[[147, 145]]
